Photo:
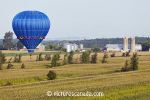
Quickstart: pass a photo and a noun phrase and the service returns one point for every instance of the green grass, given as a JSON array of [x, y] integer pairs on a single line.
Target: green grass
[[32, 84]]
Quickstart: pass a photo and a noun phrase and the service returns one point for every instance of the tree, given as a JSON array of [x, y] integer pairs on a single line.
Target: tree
[[10, 66], [96, 49], [94, 58], [17, 58], [104, 60], [8, 41], [39, 57], [70, 57], [134, 62], [48, 57], [51, 75], [65, 61], [20, 56], [19, 45], [145, 46], [55, 60], [86, 57], [2, 59], [23, 66], [126, 66]]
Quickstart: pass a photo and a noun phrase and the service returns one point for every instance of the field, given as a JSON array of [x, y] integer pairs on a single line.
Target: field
[[31, 83]]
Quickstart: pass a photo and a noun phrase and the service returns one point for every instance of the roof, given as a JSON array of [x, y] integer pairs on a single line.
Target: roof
[[114, 46]]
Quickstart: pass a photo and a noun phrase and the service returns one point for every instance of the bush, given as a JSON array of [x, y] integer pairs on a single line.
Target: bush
[[96, 50], [7, 83], [47, 57], [55, 60], [23, 66], [94, 58], [2, 60], [104, 60], [113, 55], [17, 58], [39, 57], [51, 75], [10, 66], [126, 67], [126, 54], [65, 60], [134, 62], [86, 57], [70, 57]]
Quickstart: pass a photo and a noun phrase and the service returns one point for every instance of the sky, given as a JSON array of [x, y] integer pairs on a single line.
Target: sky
[[83, 19]]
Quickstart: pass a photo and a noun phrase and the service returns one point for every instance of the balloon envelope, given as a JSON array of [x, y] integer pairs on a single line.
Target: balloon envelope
[[31, 27]]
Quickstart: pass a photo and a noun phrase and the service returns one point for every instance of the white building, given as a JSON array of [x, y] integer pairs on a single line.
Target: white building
[[70, 47], [81, 46], [125, 47], [114, 47], [120, 47]]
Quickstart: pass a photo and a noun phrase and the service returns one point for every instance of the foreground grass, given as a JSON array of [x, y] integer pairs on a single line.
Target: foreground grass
[[115, 86], [32, 84]]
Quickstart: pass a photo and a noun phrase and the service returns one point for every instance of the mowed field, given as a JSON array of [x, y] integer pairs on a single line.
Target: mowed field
[[31, 83]]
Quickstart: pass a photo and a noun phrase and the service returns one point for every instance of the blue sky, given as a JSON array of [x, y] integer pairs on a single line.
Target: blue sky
[[84, 18]]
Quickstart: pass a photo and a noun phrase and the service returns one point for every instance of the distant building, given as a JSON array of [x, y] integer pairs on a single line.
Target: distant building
[[119, 47], [40, 48], [72, 47], [138, 47], [114, 47], [125, 46], [81, 46]]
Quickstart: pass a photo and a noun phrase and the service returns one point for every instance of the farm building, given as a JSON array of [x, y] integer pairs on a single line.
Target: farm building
[[72, 47], [119, 47]]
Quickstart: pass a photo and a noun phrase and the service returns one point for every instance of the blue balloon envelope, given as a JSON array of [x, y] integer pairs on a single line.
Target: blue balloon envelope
[[31, 27]]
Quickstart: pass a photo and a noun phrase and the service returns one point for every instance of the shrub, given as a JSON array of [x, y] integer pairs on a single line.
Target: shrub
[[86, 57], [23, 66], [134, 62], [47, 57], [104, 60], [65, 61], [2, 60], [51, 75], [123, 54], [126, 54], [20, 56], [17, 58], [96, 50], [39, 57], [113, 55], [94, 58], [10, 66], [55, 60], [7, 83], [70, 57], [126, 67]]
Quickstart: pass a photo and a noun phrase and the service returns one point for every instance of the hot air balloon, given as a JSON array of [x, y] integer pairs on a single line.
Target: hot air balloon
[[31, 27]]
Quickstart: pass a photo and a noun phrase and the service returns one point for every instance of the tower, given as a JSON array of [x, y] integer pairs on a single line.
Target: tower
[[133, 44], [125, 44]]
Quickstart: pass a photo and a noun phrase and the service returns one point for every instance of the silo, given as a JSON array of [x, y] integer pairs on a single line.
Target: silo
[[133, 44], [125, 44]]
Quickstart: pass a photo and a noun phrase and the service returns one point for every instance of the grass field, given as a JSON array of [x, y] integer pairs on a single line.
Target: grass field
[[31, 83]]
